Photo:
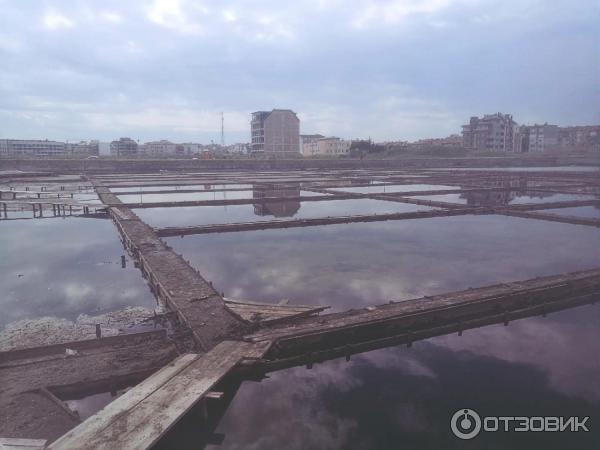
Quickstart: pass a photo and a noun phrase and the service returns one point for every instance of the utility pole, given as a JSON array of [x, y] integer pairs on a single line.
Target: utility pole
[[222, 130]]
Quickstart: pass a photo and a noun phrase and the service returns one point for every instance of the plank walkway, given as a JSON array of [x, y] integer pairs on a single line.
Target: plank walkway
[[295, 223], [173, 280], [342, 330], [30, 378], [454, 210], [138, 419]]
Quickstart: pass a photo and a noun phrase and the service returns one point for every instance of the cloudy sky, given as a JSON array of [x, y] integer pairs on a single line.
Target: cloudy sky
[[389, 69]]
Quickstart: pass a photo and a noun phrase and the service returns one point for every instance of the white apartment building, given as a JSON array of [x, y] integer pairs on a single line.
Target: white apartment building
[[307, 139], [30, 147], [328, 146], [159, 148]]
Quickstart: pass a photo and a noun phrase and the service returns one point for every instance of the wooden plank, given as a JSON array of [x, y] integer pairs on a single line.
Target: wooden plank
[[124, 403], [151, 408], [430, 306], [22, 444]]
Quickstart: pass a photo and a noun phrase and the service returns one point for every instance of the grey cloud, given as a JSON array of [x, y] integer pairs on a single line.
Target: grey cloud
[[337, 63]]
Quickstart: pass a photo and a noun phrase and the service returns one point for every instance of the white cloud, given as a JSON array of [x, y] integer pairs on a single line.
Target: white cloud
[[111, 17], [175, 15], [229, 15], [54, 20], [393, 12]]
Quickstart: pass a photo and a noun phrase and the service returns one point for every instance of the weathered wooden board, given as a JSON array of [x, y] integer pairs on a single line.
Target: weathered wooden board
[[145, 413], [22, 444], [269, 313]]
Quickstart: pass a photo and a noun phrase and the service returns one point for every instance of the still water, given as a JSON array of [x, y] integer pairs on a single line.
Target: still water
[[185, 196], [587, 212], [403, 398], [494, 198], [400, 397], [209, 215], [63, 267], [359, 264]]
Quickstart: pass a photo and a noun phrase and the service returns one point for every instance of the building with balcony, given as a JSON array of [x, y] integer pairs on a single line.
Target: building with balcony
[[492, 133]]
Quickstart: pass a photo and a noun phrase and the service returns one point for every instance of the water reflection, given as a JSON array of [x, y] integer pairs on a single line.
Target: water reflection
[[404, 397], [64, 267], [503, 198], [587, 212], [360, 264], [280, 208], [210, 215]]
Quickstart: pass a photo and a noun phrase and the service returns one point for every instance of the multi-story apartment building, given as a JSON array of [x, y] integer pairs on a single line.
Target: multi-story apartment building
[[275, 132], [538, 138], [579, 138], [330, 146], [30, 147], [492, 132], [124, 147]]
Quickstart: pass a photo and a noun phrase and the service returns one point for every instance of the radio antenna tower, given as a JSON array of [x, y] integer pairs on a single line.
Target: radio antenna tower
[[222, 130]]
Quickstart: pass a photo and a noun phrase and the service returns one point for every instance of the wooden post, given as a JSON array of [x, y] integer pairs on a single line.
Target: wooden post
[[98, 331], [123, 264]]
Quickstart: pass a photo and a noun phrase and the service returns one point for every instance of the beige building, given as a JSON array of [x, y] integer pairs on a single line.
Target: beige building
[[307, 139], [275, 132], [329, 146]]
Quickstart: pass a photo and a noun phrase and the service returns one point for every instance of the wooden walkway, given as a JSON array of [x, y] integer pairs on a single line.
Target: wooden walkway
[[173, 281], [332, 335], [137, 419], [31, 379], [454, 210]]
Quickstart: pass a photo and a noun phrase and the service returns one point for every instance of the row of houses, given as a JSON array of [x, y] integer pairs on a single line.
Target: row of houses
[[127, 147], [500, 133], [46, 148]]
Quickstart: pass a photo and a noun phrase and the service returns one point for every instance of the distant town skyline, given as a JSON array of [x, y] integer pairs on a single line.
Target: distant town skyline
[[389, 69]]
